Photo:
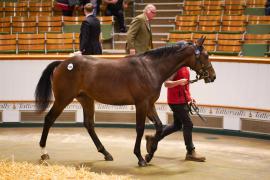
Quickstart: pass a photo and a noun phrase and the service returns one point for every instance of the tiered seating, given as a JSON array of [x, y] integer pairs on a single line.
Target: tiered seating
[[258, 20], [23, 25], [223, 7], [213, 7], [186, 23], [234, 23], [255, 7], [209, 23], [51, 24], [8, 43], [39, 17], [255, 3], [229, 44], [5, 24], [26, 9], [29, 27], [257, 38], [256, 45], [233, 7], [45, 43], [40, 9], [31, 43], [1, 10], [73, 20], [175, 37], [60, 43], [216, 43], [225, 26], [258, 24], [193, 7]]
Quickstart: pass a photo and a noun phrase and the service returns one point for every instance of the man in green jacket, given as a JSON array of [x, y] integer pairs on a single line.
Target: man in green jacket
[[139, 35]]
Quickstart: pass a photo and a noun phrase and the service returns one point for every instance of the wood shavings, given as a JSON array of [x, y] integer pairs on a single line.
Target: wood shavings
[[10, 170]]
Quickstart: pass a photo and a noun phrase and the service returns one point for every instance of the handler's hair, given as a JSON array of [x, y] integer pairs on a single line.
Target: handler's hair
[[88, 7]]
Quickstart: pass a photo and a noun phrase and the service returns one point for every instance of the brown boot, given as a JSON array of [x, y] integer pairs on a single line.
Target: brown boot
[[150, 141], [193, 156]]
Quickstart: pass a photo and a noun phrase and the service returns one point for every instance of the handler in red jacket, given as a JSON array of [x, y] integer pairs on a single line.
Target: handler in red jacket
[[178, 97]]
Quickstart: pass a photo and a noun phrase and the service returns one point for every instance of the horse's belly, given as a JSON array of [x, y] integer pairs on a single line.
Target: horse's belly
[[114, 101], [112, 97]]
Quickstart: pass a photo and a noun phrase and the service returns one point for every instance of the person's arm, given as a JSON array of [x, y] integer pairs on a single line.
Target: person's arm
[[132, 33], [170, 83], [84, 36]]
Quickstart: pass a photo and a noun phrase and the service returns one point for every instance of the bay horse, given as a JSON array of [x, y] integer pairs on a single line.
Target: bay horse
[[132, 80]]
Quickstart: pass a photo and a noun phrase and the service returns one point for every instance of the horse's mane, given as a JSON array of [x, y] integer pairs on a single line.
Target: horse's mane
[[175, 49]]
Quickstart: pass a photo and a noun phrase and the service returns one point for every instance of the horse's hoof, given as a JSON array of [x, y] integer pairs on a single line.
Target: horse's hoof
[[142, 163], [108, 157], [148, 157], [45, 157]]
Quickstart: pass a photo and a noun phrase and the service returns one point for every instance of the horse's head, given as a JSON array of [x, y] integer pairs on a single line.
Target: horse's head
[[202, 65]]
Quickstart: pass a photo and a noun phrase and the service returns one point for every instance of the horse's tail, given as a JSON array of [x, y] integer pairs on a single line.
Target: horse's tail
[[43, 92]]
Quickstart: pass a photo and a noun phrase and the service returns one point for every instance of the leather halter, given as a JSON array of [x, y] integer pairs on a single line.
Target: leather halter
[[202, 72]]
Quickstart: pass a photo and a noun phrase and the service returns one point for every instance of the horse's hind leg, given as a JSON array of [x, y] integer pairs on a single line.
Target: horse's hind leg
[[88, 113], [50, 118], [153, 141]]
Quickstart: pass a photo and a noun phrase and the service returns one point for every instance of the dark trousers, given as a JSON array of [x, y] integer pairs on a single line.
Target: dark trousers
[[119, 14], [181, 120], [267, 11]]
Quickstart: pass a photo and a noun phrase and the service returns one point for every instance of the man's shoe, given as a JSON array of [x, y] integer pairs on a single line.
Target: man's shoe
[[149, 143], [193, 156], [123, 30]]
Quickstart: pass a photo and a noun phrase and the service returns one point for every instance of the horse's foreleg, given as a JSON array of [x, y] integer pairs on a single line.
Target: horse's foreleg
[[88, 112], [50, 118], [140, 125], [153, 143]]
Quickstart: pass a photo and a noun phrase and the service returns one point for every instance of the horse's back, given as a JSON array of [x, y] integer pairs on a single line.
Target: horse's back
[[104, 80]]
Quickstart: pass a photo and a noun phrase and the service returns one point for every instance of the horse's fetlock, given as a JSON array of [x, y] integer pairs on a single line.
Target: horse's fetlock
[[42, 145], [137, 152]]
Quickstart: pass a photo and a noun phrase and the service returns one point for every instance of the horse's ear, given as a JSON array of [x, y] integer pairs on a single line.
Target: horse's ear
[[200, 41], [203, 39]]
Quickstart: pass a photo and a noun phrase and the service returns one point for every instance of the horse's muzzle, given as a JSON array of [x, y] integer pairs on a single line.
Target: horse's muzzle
[[210, 79]]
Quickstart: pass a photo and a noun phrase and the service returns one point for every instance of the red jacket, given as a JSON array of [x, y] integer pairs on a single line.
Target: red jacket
[[179, 94]]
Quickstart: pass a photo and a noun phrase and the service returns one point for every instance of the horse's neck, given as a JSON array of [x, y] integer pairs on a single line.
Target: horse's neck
[[167, 66]]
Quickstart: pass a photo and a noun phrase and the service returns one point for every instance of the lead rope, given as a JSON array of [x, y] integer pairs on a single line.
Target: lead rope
[[192, 107], [194, 80]]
